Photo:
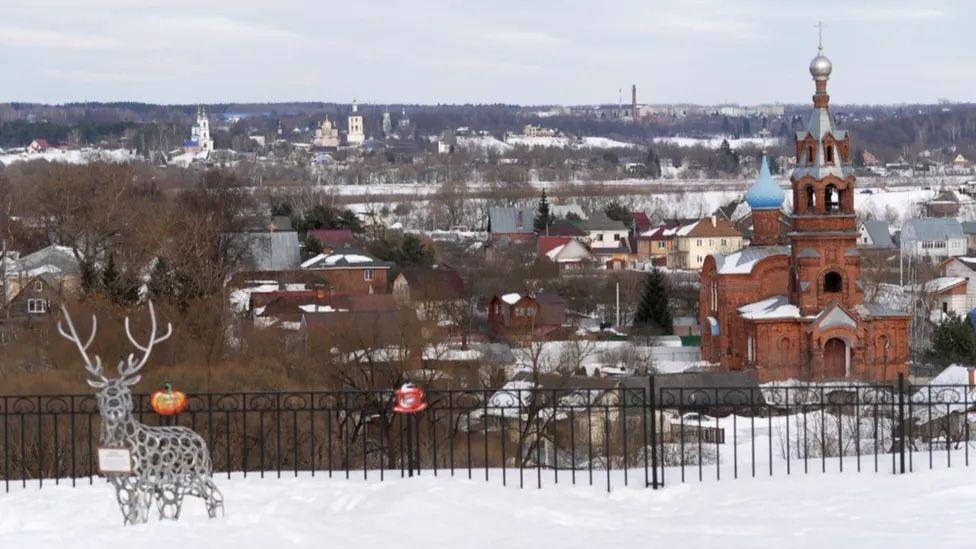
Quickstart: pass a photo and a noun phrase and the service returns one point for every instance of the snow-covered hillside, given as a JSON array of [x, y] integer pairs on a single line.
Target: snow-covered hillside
[[926, 509]]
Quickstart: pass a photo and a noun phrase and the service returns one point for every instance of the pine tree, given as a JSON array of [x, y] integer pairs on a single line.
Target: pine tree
[[653, 315], [543, 218], [954, 341]]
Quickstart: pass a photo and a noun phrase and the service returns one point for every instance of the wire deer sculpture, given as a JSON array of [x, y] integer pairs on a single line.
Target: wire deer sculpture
[[168, 462]]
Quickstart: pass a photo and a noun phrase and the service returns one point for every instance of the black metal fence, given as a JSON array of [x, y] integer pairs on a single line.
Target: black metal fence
[[633, 434]]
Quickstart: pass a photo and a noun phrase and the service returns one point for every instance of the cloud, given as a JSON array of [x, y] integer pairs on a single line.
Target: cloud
[[231, 27], [47, 39]]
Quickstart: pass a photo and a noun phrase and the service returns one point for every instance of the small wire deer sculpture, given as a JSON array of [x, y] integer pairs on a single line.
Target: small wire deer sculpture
[[168, 462]]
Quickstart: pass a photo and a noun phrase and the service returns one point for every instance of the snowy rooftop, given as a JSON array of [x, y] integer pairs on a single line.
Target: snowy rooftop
[[774, 307], [743, 261]]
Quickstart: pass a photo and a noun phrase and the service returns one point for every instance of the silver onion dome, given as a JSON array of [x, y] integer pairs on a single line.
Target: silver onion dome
[[820, 67]]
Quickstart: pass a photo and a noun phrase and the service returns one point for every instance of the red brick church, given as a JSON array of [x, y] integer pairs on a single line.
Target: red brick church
[[790, 305]]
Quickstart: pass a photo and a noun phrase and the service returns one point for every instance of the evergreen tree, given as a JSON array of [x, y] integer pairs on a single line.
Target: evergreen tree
[[653, 164], [313, 246], [543, 218], [618, 212], [161, 284], [653, 315], [954, 341]]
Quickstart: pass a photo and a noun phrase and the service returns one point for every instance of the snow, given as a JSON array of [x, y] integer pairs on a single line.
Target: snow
[[72, 156], [775, 307], [566, 142], [512, 298], [714, 142], [850, 510]]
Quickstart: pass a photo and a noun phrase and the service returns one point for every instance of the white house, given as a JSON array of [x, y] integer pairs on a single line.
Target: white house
[[933, 237], [874, 235], [605, 234]]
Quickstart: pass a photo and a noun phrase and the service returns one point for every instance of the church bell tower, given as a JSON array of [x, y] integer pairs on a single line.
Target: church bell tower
[[824, 263]]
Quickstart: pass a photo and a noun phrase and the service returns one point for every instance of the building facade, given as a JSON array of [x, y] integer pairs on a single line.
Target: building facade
[[796, 311]]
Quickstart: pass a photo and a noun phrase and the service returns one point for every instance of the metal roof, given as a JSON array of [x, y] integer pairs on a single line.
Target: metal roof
[[511, 220], [932, 228], [879, 234]]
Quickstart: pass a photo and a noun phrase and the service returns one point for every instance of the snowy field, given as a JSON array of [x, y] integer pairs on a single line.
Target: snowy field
[[926, 509]]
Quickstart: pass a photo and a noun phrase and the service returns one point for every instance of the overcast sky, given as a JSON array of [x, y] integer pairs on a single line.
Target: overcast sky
[[489, 51]]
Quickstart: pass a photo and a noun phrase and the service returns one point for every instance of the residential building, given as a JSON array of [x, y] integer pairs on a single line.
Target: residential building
[[696, 241], [656, 244], [350, 271], [969, 229], [515, 224], [333, 239], [797, 311], [874, 235], [933, 238], [567, 252], [437, 293], [520, 313], [947, 203], [608, 239]]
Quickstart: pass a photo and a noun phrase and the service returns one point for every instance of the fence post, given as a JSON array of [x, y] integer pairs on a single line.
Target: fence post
[[652, 401], [901, 422]]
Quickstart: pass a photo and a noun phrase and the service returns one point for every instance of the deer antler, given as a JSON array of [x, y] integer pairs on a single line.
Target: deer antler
[[132, 364], [94, 368]]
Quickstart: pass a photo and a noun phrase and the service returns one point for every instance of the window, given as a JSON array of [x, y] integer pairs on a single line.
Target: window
[[599, 237], [829, 153], [831, 198], [367, 274], [660, 243], [751, 350], [616, 236], [38, 286], [724, 242], [833, 283], [711, 241], [36, 306], [699, 242], [945, 307], [4, 337], [811, 197]]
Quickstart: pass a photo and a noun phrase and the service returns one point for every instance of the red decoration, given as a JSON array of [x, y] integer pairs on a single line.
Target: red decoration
[[409, 399], [167, 402]]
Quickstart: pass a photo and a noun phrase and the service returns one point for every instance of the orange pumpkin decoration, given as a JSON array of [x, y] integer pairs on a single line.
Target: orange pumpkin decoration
[[167, 402]]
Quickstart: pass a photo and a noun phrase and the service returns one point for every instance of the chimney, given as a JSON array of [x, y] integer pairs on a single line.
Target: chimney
[[714, 221], [633, 102]]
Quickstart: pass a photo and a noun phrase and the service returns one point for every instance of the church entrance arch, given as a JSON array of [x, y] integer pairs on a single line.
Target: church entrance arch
[[836, 358]]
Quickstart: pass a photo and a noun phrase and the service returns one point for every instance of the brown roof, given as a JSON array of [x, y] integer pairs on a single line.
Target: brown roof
[[713, 226], [439, 282], [356, 330]]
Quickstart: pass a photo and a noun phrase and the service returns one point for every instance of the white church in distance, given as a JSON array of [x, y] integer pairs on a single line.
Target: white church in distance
[[200, 140]]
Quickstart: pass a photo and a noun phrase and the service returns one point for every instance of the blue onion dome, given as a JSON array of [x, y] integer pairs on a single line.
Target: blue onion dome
[[765, 194]]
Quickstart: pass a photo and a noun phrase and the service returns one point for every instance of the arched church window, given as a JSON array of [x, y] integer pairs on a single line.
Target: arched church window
[[833, 283], [810, 154], [831, 198], [829, 154], [811, 197], [751, 349]]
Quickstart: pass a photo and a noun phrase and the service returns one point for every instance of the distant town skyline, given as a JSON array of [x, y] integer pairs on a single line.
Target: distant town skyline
[[444, 51]]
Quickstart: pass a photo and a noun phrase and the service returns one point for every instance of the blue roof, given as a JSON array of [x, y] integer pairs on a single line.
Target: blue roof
[[765, 194]]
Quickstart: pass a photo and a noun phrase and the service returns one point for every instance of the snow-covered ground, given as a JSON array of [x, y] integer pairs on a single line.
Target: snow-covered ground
[[926, 509], [72, 156], [715, 142]]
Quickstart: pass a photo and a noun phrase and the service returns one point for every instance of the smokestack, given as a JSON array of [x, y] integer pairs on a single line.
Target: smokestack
[[633, 102]]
